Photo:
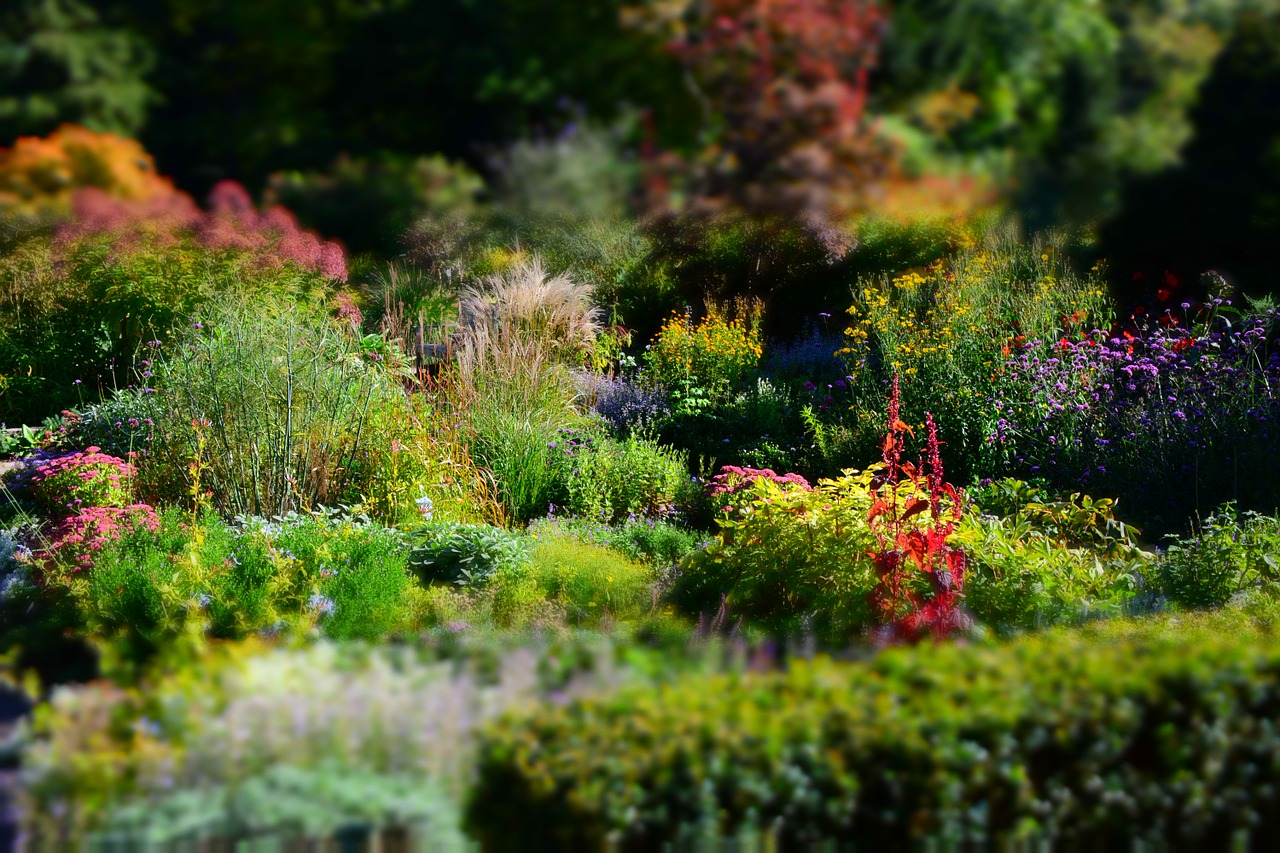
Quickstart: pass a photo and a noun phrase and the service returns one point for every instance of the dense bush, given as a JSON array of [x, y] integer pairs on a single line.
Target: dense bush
[[166, 584], [39, 176], [1035, 560], [1155, 731], [78, 306], [788, 558], [1228, 553], [609, 479], [321, 709]]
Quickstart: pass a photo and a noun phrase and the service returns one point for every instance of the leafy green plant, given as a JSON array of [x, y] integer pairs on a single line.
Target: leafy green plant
[[788, 558], [610, 479], [469, 555], [164, 588], [1228, 553], [1059, 737]]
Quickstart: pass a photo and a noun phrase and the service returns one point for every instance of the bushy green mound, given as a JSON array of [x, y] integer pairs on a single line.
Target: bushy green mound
[[1093, 737]]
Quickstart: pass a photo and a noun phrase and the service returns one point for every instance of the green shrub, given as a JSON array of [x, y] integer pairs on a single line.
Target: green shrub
[[610, 479], [1153, 732], [661, 544], [788, 558], [1041, 560], [591, 581], [469, 555], [76, 309], [170, 587], [1229, 552], [656, 543], [287, 803]]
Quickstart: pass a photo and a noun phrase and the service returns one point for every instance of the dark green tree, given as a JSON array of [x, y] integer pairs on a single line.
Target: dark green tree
[[60, 63]]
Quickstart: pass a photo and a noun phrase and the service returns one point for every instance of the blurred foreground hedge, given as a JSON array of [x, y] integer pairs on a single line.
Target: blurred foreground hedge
[[1164, 730]]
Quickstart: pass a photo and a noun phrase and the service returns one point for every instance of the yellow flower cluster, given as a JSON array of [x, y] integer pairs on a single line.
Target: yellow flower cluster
[[910, 320], [714, 353]]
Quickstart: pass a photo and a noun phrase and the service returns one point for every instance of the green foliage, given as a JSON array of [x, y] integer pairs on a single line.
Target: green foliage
[[267, 406], [656, 543], [760, 426], [592, 582], [1069, 97], [1227, 554], [469, 555], [121, 424], [659, 543], [286, 802], [165, 590], [1217, 209], [1033, 560], [61, 63], [1061, 738], [610, 479], [788, 559], [371, 202], [75, 313]]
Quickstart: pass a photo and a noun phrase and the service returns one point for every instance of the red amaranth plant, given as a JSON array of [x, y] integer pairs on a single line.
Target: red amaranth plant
[[907, 549]]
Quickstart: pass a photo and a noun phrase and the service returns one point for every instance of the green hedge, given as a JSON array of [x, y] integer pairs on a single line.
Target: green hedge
[[1095, 737]]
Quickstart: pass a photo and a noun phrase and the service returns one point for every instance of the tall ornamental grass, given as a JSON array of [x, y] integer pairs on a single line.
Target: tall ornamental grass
[[266, 406], [519, 331]]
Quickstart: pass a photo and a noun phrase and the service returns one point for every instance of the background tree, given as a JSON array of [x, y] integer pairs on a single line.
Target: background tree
[[60, 63]]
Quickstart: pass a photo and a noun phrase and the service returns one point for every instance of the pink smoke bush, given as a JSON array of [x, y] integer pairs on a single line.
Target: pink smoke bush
[[231, 224]]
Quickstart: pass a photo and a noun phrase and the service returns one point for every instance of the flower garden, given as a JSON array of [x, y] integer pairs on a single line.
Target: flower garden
[[545, 530]]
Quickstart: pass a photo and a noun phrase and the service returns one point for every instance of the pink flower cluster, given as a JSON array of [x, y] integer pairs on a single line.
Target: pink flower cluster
[[230, 224], [733, 479], [78, 537], [66, 484]]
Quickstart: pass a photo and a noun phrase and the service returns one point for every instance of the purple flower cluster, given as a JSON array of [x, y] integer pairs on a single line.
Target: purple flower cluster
[[625, 404], [1162, 406]]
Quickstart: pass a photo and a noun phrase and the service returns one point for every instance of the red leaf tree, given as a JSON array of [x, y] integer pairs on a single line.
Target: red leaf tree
[[783, 84]]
